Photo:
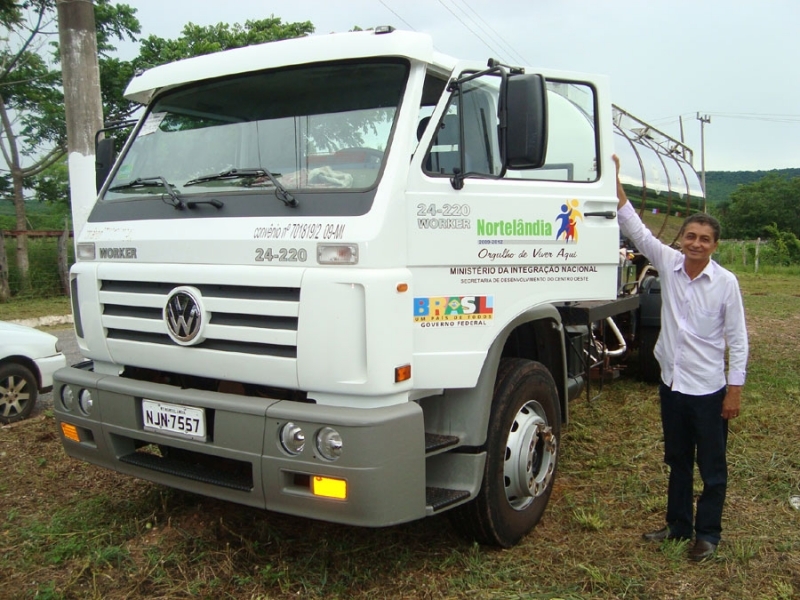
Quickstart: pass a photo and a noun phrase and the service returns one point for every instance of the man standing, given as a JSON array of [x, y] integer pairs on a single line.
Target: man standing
[[701, 313]]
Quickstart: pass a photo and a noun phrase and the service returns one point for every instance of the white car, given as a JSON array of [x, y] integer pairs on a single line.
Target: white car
[[28, 359]]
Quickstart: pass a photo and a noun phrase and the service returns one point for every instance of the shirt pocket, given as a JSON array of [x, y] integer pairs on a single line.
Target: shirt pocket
[[706, 323]]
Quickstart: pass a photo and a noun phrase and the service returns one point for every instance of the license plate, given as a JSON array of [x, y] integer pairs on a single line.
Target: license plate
[[174, 419]]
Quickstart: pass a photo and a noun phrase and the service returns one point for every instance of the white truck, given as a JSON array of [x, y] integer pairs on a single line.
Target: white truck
[[349, 278]]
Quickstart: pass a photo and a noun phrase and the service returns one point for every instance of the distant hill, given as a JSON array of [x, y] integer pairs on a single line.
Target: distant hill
[[721, 184]]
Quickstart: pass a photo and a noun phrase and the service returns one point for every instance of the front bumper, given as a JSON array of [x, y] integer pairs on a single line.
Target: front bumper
[[382, 462]]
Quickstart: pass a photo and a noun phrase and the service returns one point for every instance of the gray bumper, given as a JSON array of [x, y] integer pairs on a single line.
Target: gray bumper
[[382, 462]]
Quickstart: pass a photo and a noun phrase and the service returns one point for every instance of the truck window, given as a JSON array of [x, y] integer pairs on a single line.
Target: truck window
[[479, 151], [321, 127], [571, 138]]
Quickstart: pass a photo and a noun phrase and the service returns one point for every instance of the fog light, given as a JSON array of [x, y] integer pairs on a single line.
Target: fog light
[[329, 487], [85, 401], [67, 397], [293, 439], [329, 443]]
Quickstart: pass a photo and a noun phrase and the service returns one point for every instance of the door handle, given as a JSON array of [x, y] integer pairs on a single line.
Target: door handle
[[608, 214]]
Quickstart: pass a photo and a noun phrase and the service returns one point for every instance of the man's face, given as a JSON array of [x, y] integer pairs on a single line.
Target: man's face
[[697, 242]]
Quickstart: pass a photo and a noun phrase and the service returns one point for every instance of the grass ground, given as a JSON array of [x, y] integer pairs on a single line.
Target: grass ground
[[29, 308], [71, 530]]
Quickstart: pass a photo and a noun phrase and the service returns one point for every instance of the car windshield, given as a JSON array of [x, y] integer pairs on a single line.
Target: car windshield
[[320, 127]]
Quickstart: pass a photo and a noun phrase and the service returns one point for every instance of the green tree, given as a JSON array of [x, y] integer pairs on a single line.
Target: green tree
[[784, 246], [197, 40], [32, 125], [753, 207]]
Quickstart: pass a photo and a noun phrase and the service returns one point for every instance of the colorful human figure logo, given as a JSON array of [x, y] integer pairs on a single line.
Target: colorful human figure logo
[[568, 217]]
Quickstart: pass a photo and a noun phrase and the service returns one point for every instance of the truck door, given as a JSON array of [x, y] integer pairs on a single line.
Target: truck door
[[481, 235]]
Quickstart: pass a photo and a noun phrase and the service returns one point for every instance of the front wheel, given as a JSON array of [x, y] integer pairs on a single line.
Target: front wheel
[[521, 456], [18, 392]]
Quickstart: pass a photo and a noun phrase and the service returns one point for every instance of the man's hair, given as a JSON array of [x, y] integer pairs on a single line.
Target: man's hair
[[702, 219]]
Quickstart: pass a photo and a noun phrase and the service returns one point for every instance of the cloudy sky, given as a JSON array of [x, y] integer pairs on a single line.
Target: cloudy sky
[[735, 61]]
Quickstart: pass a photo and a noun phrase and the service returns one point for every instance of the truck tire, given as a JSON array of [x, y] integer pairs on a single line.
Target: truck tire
[[18, 392], [521, 456], [649, 369]]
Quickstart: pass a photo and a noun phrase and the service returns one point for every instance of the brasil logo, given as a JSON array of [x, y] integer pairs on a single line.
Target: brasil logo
[[453, 308]]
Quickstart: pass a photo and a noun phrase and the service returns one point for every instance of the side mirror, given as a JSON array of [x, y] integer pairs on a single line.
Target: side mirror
[[526, 132], [103, 161]]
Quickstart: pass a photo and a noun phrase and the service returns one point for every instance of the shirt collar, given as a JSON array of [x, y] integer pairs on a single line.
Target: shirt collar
[[709, 270]]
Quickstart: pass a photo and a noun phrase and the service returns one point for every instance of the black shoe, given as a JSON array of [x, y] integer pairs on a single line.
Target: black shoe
[[661, 535], [702, 550]]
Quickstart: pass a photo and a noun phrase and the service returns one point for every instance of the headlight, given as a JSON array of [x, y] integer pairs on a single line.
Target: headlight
[[293, 439], [337, 254], [85, 401], [67, 397], [329, 443]]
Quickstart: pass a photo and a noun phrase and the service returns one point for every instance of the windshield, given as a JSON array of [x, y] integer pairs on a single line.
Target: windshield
[[322, 127]]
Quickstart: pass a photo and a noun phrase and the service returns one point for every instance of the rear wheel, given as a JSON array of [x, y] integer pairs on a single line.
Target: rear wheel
[[521, 456], [18, 393], [649, 368]]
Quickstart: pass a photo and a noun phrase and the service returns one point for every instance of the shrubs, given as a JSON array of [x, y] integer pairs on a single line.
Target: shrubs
[[43, 269]]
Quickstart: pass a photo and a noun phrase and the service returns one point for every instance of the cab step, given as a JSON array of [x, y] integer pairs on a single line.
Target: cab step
[[439, 498], [435, 442]]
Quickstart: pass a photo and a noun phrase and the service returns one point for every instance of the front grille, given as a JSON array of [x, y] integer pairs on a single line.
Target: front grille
[[251, 320]]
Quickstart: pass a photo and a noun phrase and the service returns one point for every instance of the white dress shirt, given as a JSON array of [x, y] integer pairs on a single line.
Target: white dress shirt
[[698, 317]]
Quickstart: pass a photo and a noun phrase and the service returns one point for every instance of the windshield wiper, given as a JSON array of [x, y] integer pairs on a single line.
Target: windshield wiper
[[281, 193], [229, 174], [177, 202]]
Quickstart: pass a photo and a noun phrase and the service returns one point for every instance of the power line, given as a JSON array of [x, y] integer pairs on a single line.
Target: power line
[[484, 25], [483, 32], [387, 7], [471, 30], [767, 117], [770, 118]]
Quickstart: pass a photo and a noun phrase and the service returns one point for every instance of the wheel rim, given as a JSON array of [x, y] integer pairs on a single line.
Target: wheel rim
[[13, 396], [530, 456]]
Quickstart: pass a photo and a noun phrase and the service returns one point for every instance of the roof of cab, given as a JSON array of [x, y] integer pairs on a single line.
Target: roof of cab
[[296, 51]]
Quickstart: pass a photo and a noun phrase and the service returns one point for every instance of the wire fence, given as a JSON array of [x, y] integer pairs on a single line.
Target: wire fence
[[747, 254], [50, 255]]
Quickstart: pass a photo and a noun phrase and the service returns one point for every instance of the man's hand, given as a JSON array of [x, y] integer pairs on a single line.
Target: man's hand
[[732, 403]]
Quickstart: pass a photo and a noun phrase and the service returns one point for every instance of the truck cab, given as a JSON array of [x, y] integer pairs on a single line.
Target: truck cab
[[326, 277]]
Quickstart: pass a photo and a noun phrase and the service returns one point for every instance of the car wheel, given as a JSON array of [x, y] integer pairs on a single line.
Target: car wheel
[[18, 392]]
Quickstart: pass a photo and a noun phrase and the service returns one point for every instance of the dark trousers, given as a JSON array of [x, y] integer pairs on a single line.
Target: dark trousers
[[695, 424]]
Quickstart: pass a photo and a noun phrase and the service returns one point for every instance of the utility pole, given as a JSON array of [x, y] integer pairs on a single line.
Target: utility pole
[[703, 120], [82, 102]]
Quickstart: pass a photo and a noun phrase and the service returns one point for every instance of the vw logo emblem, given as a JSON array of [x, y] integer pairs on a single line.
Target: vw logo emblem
[[183, 315]]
